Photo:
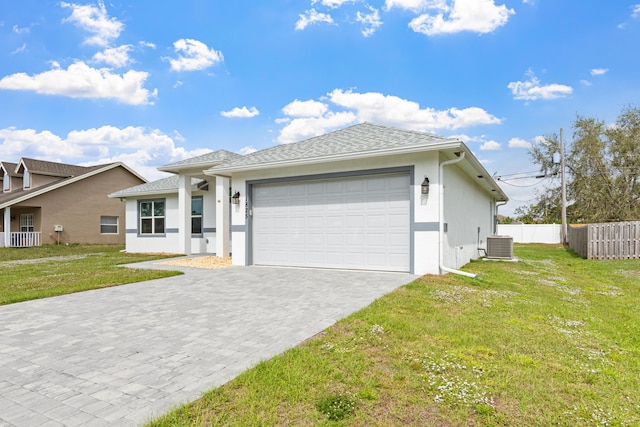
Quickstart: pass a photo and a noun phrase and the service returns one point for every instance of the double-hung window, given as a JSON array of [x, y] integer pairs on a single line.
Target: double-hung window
[[6, 183], [152, 216], [26, 179], [196, 215], [109, 225], [26, 223]]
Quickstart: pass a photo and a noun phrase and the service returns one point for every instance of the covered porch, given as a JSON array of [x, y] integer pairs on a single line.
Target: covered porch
[[19, 227]]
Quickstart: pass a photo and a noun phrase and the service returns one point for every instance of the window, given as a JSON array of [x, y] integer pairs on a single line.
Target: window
[[151, 216], [6, 184], [26, 223], [196, 215], [109, 225], [26, 179]]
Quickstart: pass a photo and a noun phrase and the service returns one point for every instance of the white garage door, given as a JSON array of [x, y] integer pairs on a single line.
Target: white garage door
[[354, 223]]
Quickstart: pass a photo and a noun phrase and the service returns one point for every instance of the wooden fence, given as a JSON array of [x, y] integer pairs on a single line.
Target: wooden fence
[[614, 240]]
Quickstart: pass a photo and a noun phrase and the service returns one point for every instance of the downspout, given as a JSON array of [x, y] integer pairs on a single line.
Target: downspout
[[495, 223], [441, 218]]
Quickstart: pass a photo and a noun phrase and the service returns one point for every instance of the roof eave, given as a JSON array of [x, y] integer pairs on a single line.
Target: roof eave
[[192, 167], [337, 157], [66, 182]]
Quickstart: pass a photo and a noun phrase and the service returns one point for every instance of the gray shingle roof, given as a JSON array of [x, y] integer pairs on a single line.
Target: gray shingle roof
[[160, 186], [213, 157], [364, 137]]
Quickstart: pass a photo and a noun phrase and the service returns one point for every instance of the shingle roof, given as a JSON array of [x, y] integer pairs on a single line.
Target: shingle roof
[[10, 168], [19, 195], [160, 186], [56, 169], [213, 157], [364, 137]]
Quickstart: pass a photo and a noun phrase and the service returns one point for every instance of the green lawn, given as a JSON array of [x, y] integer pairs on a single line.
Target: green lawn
[[551, 340], [50, 270]]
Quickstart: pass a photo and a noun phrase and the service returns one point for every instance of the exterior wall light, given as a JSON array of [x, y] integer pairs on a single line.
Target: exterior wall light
[[235, 199], [425, 186]]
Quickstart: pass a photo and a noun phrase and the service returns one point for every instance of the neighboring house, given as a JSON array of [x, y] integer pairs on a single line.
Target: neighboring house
[[48, 203], [364, 197]]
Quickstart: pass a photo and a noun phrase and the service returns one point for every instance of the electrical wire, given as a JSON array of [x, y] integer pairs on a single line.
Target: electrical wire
[[523, 186]]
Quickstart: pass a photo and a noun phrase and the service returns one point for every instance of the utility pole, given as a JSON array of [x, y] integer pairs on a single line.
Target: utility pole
[[564, 190]]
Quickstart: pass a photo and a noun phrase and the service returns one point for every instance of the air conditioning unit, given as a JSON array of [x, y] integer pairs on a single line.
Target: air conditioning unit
[[500, 247]]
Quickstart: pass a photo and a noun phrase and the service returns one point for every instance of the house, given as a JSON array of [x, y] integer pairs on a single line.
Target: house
[[49, 203], [364, 197], [179, 214]]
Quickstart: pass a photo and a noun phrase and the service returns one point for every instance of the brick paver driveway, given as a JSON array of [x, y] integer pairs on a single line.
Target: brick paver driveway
[[121, 355]]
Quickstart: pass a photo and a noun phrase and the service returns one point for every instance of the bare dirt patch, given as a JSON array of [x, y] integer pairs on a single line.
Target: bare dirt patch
[[210, 262]]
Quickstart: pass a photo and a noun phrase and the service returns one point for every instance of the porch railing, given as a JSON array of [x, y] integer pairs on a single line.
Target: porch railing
[[24, 239]]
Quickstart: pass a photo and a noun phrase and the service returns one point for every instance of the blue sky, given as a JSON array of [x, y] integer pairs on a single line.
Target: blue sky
[[149, 83]]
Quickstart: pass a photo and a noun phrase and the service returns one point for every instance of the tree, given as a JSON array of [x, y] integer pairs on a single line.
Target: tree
[[603, 172]]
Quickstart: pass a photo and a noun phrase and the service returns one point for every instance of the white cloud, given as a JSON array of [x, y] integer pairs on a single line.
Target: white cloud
[[247, 150], [19, 30], [490, 146], [139, 148], [453, 16], [415, 5], [333, 4], [21, 49], [96, 21], [599, 71], [532, 90], [395, 111], [519, 143], [311, 118], [81, 81], [636, 11], [147, 44], [370, 21], [312, 17], [308, 108], [243, 112], [114, 56], [586, 82], [193, 55], [177, 84], [308, 127]]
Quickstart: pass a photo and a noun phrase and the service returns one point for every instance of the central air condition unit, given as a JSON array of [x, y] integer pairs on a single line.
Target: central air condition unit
[[500, 247]]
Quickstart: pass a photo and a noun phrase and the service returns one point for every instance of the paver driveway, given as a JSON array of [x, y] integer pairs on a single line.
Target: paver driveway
[[121, 355]]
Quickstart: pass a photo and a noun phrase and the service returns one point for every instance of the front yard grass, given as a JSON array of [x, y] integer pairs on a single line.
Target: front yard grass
[[551, 340], [50, 270]]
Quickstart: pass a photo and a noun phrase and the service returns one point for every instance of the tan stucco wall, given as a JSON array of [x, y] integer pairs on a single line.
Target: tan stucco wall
[[38, 180], [78, 208]]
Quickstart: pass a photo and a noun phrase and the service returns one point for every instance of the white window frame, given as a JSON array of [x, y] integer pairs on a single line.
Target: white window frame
[[26, 179], [6, 183], [26, 223], [153, 217], [104, 223], [201, 215]]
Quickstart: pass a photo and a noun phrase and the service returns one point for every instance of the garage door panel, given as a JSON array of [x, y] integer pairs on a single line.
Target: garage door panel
[[360, 223]]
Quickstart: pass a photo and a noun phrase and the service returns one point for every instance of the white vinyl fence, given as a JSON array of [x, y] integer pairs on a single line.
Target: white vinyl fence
[[531, 233]]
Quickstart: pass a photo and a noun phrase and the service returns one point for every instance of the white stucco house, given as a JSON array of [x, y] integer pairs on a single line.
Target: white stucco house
[[364, 197]]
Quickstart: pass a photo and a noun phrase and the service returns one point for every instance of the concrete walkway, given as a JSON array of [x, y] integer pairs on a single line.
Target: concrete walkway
[[122, 355]]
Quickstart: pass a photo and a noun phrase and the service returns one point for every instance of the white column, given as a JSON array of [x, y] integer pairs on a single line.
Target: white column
[[184, 214], [222, 216], [7, 227]]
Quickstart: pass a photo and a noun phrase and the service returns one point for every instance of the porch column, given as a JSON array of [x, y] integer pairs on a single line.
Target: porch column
[[222, 216], [7, 227], [184, 214]]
